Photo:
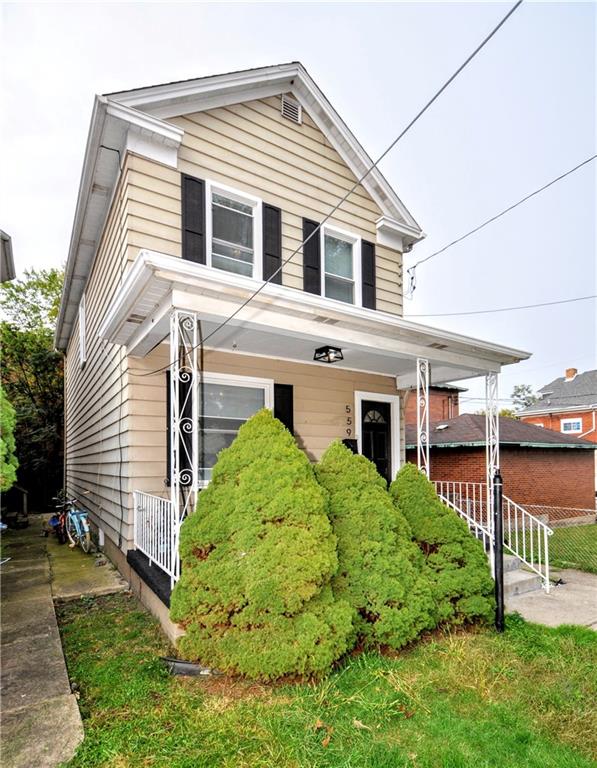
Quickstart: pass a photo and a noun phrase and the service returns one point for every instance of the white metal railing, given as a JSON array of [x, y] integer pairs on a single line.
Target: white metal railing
[[154, 530], [525, 536]]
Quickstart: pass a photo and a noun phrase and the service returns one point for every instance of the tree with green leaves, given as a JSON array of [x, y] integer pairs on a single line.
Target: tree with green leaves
[[32, 377], [8, 460], [523, 396]]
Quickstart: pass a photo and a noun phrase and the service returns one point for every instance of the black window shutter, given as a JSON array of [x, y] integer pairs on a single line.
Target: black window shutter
[[311, 258], [284, 405], [193, 219], [368, 274], [272, 243], [168, 432]]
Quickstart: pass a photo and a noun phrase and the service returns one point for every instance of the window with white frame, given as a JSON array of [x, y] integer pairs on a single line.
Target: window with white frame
[[571, 425], [225, 403], [82, 333], [341, 265], [235, 231]]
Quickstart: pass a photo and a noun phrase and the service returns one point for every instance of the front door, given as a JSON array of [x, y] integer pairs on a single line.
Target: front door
[[376, 435]]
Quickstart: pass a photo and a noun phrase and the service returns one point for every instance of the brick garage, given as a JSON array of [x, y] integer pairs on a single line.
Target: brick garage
[[539, 467]]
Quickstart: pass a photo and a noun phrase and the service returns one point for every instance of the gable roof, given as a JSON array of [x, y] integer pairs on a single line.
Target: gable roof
[[144, 112], [468, 429], [564, 394]]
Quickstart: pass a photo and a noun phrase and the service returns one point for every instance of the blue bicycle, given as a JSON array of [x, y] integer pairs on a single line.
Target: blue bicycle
[[77, 526]]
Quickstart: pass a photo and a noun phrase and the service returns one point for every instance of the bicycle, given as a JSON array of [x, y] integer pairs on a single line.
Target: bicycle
[[75, 524]]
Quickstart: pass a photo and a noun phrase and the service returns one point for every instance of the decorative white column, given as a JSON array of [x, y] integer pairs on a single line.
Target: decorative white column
[[184, 424], [423, 371], [492, 448]]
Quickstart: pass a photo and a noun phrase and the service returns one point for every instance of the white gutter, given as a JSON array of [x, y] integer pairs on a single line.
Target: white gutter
[[588, 432]]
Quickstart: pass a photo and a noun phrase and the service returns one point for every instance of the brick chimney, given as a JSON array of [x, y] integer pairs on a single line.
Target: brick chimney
[[570, 373]]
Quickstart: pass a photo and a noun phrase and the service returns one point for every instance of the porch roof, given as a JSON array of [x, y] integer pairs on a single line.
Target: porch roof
[[288, 324]]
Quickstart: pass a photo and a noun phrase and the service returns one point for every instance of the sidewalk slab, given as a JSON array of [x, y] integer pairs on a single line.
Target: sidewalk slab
[[34, 687], [574, 602]]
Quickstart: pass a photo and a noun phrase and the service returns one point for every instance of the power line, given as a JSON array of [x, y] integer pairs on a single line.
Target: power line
[[505, 309], [360, 180], [411, 270]]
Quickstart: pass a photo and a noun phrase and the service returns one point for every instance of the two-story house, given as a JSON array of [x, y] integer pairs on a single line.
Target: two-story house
[[192, 195], [568, 405]]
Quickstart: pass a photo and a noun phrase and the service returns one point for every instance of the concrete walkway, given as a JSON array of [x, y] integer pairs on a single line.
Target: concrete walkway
[[573, 602], [41, 724]]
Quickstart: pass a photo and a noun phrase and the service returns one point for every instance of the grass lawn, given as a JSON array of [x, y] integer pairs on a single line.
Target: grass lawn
[[524, 699], [575, 547]]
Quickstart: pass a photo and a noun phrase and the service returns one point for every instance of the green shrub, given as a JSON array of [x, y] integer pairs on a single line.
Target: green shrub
[[461, 581], [381, 572], [8, 461], [257, 559]]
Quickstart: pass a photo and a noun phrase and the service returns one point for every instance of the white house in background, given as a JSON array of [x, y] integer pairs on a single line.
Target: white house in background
[[192, 194]]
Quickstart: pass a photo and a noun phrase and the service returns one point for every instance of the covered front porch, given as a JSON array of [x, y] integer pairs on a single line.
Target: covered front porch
[[192, 313]]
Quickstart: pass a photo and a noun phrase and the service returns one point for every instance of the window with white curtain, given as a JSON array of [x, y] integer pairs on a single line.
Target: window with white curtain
[[341, 264], [234, 219]]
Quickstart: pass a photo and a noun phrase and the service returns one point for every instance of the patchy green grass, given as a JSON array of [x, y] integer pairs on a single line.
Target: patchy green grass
[[455, 700], [575, 547]]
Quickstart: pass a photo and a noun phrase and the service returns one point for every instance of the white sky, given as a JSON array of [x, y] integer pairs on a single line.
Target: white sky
[[522, 113]]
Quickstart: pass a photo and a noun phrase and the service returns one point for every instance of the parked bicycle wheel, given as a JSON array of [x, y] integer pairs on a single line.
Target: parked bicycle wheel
[[71, 531], [85, 540]]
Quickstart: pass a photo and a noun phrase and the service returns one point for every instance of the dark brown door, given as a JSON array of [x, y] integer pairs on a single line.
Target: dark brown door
[[376, 435]]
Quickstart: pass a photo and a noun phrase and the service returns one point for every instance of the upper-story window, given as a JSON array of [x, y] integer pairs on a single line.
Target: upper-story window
[[341, 265], [234, 241], [571, 425]]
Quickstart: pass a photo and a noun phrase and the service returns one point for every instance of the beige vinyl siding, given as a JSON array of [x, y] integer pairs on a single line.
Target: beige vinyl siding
[[97, 397], [321, 395], [115, 421], [251, 147]]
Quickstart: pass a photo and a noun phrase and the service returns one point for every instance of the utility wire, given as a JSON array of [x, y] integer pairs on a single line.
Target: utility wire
[[421, 112], [505, 309], [411, 270]]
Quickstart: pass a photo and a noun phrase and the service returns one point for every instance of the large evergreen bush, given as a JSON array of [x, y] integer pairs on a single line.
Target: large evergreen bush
[[381, 572], [257, 559], [461, 581]]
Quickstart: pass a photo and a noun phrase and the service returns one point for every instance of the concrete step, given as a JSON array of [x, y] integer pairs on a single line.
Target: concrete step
[[520, 582], [511, 563]]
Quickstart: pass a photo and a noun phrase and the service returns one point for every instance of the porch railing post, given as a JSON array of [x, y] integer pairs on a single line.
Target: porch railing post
[[184, 421], [492, 449], [423, 372]]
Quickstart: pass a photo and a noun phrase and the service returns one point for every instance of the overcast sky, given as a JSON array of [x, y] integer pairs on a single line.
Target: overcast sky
[[522, 113]]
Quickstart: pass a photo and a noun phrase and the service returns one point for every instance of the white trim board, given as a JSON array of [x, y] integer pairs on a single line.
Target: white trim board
[[394, 401]]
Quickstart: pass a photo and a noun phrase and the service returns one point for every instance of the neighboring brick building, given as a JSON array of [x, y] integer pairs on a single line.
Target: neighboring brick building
[[443, 403], [568, 405], [543, 470]]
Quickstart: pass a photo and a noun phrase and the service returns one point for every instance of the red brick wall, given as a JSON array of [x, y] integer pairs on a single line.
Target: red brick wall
[[552, 421], [442, 405], [559, 477]]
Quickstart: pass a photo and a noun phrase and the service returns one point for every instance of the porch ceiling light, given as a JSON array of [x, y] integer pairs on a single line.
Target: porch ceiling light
[[328, 354]]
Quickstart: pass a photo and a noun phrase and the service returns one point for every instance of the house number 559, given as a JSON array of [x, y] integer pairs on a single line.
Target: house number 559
[[349, 420]]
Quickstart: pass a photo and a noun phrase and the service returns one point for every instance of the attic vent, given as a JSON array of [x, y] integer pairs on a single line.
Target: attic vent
[[137, 319], [291, 109], [435, 345]]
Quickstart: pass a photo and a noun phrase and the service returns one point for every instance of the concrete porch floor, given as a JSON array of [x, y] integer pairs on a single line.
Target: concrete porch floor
[[41, 725]]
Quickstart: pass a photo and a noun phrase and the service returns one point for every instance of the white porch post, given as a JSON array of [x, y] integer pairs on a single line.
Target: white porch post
[[423, 414], [184, 425], [492, 444]]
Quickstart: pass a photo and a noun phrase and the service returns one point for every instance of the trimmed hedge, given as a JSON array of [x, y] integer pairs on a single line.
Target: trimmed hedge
[[257, 559], [461, 581], [381, 572]]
